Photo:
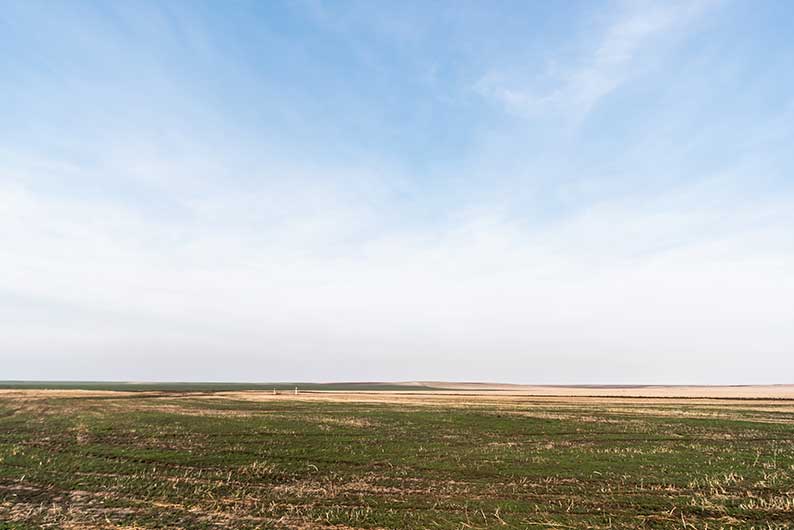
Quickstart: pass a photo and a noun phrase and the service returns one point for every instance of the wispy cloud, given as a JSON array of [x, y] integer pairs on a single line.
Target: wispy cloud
[[605, 61]]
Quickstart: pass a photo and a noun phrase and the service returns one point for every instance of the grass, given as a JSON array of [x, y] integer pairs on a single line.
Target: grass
[[174, 460]]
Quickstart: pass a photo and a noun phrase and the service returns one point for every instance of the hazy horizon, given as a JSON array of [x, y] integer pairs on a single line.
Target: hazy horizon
[[539, 193], [380, 385]]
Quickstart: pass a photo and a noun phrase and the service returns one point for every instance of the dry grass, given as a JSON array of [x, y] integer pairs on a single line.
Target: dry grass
[[450, 459]]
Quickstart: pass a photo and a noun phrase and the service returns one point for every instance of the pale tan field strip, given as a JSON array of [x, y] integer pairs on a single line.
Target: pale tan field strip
[[661, 391]]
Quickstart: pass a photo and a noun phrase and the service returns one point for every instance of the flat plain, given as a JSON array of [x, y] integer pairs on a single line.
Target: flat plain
[[418, 456]]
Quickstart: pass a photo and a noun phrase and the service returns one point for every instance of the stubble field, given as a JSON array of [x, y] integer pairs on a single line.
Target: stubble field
[[247, 459]]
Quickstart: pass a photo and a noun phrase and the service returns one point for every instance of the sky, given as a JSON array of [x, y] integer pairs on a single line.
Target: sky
[[528, 192]]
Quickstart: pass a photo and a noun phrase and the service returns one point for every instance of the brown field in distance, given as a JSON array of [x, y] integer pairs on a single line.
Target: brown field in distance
[[660, 391]]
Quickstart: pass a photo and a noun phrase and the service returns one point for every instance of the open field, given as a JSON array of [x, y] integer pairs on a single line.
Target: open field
[[461, 458], [661, 391]]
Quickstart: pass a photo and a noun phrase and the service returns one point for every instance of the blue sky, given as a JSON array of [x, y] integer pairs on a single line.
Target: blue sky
[[591, 192]]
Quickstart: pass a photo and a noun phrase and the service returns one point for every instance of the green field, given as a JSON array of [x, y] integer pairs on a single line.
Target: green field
[[171, 460]]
